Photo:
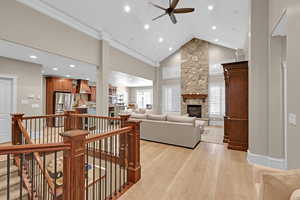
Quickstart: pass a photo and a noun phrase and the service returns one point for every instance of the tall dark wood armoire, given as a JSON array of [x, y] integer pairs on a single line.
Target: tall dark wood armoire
[[236, 107]]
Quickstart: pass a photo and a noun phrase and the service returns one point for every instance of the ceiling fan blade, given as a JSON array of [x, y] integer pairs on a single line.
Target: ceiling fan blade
[[159, 17], [173, 18], [157, 6], [174, 4], [183, 10]]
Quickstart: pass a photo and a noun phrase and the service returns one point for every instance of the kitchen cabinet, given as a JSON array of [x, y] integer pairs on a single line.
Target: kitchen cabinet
[[60, 84], [55, 84], [92, 96]]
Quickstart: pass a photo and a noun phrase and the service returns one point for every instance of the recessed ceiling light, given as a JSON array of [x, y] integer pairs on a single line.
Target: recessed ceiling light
[[33, 57], [55, 68], [127, 8], [216, 40], [68, 76], [147, 26], [72, 66], [213, 27], [170, 49], [210, 7], [160, 39]]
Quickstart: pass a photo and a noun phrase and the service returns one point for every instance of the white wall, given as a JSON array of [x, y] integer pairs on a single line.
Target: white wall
[[219, 54], [26, 26], [23, 25], [266, 133], [276, 132], [293, 82], [276, 8], [29, 83]]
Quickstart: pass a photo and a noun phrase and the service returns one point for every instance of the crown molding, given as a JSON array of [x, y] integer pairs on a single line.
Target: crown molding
[[75, 23]]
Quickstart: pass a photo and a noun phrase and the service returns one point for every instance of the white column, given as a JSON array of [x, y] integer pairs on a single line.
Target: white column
[[102, 81], [258, 79], [156, 106]]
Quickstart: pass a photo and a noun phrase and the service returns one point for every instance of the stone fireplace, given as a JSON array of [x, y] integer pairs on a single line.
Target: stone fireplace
[[194, 74], [194, 111]]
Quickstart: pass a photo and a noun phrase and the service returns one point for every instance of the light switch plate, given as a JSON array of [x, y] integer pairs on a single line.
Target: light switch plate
[[293, 119]]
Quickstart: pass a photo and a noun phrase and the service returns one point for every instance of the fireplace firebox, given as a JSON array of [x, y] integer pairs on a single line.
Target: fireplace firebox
[[194, 110]]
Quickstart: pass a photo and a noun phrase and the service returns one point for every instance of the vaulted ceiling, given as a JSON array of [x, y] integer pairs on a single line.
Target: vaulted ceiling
[[126, 29]]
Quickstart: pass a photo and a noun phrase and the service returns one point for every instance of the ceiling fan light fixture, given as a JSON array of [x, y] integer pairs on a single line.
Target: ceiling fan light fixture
[[172, 10]]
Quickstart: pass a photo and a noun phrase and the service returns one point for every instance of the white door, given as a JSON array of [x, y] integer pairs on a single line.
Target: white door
[[6, 108]]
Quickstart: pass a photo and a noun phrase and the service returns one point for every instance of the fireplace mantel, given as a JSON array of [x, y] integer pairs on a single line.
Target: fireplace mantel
[[194, 96]]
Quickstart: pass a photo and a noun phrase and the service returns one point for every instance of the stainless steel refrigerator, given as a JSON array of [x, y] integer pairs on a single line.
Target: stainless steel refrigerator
[[63, 101]]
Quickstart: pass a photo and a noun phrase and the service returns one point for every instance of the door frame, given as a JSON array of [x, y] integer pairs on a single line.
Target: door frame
[[14, 88]]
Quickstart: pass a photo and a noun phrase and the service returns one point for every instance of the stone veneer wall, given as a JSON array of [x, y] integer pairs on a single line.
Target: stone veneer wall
[[194, 72]]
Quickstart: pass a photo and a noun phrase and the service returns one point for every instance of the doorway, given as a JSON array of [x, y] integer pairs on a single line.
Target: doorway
[[7, 106]]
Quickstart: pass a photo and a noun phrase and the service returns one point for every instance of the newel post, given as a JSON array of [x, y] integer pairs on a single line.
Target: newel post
[[134, 165], [74, 165], [69, 122], [16, 136]]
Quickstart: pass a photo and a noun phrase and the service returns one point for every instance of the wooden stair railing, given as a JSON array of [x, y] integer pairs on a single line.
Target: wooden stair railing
[[21, 136], [37, 157], [23, 154], [113, 141]]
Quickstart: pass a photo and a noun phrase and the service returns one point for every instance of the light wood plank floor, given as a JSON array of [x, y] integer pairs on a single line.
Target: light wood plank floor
[[210, 172]]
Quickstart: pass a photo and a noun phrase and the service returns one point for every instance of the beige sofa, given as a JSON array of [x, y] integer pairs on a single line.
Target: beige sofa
[[274, 184], [169, 129]]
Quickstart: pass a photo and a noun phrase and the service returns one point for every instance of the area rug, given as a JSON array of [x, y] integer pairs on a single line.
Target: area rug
[[213, 134]]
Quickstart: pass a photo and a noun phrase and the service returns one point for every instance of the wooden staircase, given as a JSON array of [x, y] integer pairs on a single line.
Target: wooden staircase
[[76, 163], [14, 183]]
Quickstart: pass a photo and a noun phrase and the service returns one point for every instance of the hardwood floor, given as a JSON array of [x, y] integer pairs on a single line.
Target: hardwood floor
[[210, 172]]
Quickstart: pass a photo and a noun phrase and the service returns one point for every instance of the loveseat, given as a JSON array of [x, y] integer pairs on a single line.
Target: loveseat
[[171, 129], [275, 184]]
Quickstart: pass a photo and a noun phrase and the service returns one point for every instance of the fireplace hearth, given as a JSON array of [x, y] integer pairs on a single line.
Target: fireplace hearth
[[194, 111]]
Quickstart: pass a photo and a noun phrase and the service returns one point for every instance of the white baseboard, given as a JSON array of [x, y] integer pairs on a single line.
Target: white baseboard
[[266, 161]]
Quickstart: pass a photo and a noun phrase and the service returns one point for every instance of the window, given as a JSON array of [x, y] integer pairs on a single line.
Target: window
[[216, 99], [216, 69], [171, 98], [143, 98]]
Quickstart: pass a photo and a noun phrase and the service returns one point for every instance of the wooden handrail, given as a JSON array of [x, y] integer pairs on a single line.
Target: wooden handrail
[[97, 137], [96, 116], [31, 148], [43, 116], [37, 157]]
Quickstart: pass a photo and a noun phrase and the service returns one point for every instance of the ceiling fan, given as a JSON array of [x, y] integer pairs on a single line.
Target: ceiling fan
[[172, 10]]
